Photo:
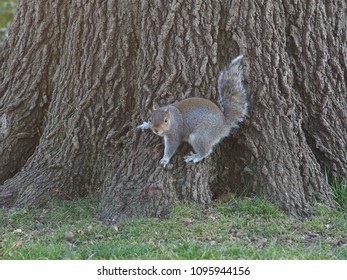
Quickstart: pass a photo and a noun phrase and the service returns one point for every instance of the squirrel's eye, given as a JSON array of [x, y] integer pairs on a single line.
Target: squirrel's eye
[[150, 120], [165, 120]]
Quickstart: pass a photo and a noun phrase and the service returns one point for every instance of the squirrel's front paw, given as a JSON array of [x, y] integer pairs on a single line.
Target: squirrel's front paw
[[164, 161]]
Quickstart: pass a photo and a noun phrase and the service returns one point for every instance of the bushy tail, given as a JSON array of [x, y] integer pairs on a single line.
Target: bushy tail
[[232, 94]]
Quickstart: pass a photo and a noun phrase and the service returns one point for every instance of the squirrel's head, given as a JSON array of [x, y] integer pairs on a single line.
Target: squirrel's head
[[160, 121]]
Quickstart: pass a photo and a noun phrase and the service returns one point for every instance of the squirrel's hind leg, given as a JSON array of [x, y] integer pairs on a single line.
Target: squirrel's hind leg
[[201, 145], [193, 157]]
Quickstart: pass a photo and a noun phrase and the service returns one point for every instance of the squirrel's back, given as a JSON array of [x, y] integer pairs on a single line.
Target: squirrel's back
[[200, 113], [197, 105]]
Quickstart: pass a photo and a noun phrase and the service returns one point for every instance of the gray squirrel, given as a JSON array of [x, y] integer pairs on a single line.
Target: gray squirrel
[[199, 121]]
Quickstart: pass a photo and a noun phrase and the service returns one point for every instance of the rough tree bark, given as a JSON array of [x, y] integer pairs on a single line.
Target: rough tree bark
[[77, 77]]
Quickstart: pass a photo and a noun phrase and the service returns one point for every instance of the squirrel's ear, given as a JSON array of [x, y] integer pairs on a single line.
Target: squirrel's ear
[[154, 107], [167, 111]]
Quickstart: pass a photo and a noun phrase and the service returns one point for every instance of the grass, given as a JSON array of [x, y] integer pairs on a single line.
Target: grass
[[7, 8], [340, 192], [241, 228]]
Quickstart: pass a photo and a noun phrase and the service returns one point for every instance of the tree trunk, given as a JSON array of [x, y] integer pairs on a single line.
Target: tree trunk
[[79, 76], [299, 107]]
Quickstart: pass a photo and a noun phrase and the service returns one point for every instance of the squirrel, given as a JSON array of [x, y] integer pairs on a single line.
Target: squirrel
[[199, 121]]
